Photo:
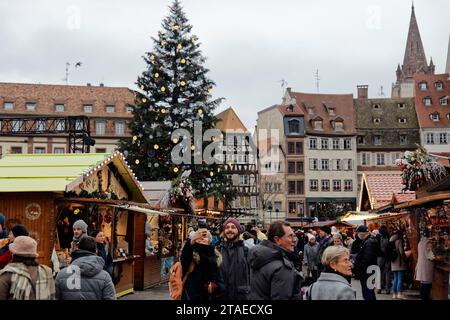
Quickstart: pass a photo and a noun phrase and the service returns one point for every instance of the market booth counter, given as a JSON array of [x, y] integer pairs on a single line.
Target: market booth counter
[[49, 192]]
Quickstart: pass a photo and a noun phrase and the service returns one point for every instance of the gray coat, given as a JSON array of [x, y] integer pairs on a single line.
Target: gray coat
[[425, 267], [331, 286], [311, 256], [399, 264], [94, 282], [273, 273]]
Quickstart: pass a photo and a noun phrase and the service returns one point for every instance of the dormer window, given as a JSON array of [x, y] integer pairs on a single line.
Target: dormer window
[[290, 108], [402, 120], [439, 85], [435, 116], [376, 120], [423, 86], [294, 126], [427, 101], [318, 124], [401, 106], [376, 106], [339, 126], [443, 101], [311, 110], [331, 111]]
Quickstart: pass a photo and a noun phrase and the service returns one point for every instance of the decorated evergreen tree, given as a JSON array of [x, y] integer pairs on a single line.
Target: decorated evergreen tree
[[174, 93]]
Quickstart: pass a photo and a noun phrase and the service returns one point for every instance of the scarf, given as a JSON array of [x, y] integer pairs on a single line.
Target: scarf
[[348, 278], [21, 283]]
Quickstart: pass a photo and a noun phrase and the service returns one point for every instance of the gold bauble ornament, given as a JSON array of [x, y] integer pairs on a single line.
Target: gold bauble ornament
[[199, 111], [182, 83], [134, 138], [76, 211], [137, 161], [175, 169], [163, 110], [144, 100], [156, 75], [156, 147], [142, 87], [176, 27], [163, 43], [175, 140], [179, 47], [211, 173], [183, 61], [163, 89]]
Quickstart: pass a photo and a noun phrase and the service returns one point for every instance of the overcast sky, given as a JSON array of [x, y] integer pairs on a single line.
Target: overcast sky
[[250, 44]]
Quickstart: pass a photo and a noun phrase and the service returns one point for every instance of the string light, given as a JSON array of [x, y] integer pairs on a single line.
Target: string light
[[156, 75], [134, 138], [137, 161], [183, 61], [156, 147], [163, 89]]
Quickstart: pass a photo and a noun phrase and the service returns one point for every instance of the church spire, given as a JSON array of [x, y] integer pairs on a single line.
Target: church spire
[[414, 60]]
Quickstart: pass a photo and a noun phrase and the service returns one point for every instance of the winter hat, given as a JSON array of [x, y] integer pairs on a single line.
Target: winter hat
[[362, 229], [235, 222], [326, 229], [19, 230], [81, 225], [87, 243], [310, 236], [24, 246], [246, 235]]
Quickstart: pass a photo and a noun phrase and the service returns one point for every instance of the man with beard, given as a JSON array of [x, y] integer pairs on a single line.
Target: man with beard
[[235, 268], [273, 266]]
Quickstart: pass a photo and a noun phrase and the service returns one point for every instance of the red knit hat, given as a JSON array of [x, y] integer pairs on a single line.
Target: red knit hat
[[235, 222]]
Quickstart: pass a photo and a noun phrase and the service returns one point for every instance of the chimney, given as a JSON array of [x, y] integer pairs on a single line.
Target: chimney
[[101, 84], [88, 84], [363, 91]]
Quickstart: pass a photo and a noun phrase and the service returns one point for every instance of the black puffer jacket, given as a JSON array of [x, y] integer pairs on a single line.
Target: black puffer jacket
[[367, 256], [235, 270], [273, 273]]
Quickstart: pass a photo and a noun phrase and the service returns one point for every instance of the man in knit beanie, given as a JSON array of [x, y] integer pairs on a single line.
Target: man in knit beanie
[[79, 230], [235, 269]]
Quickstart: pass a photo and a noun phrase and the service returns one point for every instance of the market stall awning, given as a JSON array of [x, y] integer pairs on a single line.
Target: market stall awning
[[358, 218], [148, 212], [384, 217]]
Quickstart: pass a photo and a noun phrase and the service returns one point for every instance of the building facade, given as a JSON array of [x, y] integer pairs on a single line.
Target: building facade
[[109, 110], [329, 153], [271, 162], [241, 159], [414, 62], [433, 112]]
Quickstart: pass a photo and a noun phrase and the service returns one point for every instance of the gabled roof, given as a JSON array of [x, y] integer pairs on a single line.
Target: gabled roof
[[229, 120], [381, 188], [61, 172], [341, 103]]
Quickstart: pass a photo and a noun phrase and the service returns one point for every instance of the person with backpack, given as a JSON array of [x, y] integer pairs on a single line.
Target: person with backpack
[[234, 268], [398, 263], [366, 257], [24, 278], [200, 265]]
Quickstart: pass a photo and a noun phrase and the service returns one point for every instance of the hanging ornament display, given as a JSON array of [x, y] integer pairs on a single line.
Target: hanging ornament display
[[156, 147]]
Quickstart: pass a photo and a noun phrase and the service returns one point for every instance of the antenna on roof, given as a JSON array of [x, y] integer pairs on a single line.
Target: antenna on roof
[[66, 79], [284, 83], [317, 79]]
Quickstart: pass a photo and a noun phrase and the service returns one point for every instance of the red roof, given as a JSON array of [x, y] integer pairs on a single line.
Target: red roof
[[381, 187], [296, 110], [403, 197], [341, 105], [423, 112]]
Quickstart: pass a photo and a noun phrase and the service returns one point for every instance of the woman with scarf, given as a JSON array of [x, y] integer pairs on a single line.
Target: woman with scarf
[[334, 281], [200, 263]]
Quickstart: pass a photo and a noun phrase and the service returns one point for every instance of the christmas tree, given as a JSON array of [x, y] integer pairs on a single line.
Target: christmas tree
[[175, 93]]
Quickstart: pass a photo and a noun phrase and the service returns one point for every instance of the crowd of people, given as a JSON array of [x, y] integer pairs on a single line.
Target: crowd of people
[[87, 275], [231, 263], [283, 264]]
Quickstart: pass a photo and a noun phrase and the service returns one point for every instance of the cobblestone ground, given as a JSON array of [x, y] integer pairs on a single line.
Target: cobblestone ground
[[161, 292]]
